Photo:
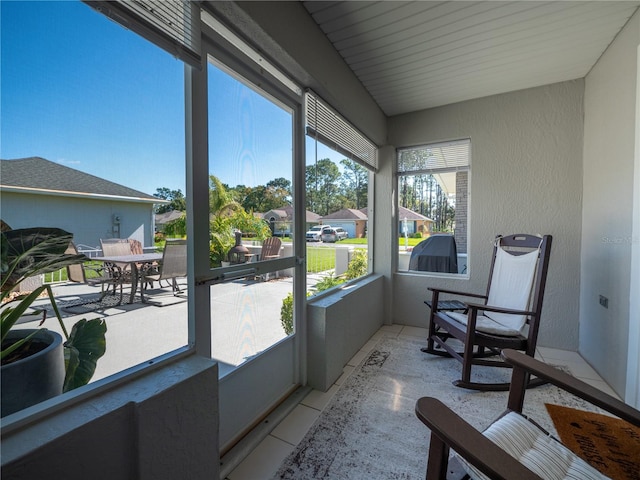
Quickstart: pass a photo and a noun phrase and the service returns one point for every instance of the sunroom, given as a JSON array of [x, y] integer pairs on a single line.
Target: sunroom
[[553, 150]]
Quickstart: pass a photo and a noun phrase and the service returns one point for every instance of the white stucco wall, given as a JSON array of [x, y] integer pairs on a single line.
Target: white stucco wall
[[607, 215], [526, 171], [88, 219]]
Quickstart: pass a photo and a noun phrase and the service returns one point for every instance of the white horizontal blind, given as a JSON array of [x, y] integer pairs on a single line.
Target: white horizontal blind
[[173, 25], [445, 156], [328, 126]]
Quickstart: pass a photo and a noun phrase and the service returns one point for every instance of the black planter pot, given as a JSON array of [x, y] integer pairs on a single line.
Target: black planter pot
[[35, 378]]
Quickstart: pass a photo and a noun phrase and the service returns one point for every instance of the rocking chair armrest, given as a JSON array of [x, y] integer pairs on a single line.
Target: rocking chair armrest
[[468, 442], [491, 308], [454, 292], [525, 363]]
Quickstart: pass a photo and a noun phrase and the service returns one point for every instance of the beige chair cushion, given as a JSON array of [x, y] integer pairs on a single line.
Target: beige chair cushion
[[485, 324], [536, 450]]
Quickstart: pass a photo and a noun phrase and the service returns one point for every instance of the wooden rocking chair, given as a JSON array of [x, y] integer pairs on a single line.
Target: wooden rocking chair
[[508, 317], [514, 446]]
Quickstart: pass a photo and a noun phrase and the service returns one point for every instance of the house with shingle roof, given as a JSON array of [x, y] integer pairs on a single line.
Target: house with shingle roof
[[88, 206], [353, 221], [281, 220], [412, 221]]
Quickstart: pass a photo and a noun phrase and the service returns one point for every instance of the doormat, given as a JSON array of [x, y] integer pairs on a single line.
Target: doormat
[[608, 444]]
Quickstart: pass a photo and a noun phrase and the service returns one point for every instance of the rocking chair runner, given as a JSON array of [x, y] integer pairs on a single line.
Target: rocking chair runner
[[509, 316]]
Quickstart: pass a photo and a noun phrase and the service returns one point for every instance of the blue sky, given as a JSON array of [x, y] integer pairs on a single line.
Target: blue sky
[[80, 90]]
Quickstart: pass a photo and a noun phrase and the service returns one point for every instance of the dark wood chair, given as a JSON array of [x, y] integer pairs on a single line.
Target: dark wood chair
[[508, 315], [480, 452]]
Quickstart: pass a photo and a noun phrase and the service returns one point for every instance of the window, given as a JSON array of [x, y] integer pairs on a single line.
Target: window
[[433, 189], [250, 181], [339, 175], [103, 106]]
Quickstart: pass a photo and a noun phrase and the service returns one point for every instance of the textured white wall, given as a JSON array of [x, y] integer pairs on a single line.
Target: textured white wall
[[607, 216], [526, 171]]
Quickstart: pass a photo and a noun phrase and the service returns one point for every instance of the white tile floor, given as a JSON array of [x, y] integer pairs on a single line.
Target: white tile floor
[[264, 460]]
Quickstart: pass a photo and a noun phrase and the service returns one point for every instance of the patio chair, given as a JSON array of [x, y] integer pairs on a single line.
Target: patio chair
[[172, 267], [104, 275], [135, 246], [493, 453], [270, 250], [507, 317], [115, 246], [119, 247]]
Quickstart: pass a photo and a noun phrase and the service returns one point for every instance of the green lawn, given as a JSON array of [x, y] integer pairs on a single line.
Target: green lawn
[[320, 259]]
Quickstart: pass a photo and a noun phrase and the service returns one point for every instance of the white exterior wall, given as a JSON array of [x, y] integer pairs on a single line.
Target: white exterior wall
[[88, 219], [611, 131], [526, 170]]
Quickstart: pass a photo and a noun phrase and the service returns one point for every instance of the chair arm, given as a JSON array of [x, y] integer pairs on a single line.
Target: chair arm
[[570, 384], [491, 308], [454, 292], [468, 442]]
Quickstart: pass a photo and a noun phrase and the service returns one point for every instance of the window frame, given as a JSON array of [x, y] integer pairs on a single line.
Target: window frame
[[453, 166], [324, 124]]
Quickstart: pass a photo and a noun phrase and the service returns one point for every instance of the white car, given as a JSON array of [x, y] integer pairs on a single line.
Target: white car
[[314, 234]]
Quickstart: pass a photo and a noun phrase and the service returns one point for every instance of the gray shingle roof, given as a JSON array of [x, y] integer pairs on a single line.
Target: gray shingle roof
[[37, 173], [346, 214], [286, 214], [164, 218], [405, 213]]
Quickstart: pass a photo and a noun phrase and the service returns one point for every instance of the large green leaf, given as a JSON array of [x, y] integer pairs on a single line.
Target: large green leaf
[[85, 346], [28, 252]]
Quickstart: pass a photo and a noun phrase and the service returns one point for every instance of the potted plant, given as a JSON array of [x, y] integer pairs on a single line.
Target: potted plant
[[36, 365]]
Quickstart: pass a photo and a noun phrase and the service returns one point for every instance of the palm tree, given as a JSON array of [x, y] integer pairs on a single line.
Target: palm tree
[[221, 201]]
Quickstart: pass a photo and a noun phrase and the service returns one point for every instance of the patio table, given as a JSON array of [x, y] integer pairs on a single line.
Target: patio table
[[134, 262]]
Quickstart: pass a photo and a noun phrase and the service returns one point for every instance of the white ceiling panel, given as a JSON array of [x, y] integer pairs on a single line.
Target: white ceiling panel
[[423, 54]]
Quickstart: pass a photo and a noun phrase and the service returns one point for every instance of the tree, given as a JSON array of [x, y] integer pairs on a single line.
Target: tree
[[221, 200], [280, 192], [178, 202], [355, 182], [322, 187], [262, 198]]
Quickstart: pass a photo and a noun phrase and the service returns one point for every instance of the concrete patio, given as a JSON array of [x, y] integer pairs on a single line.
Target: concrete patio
[[245, 321]]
